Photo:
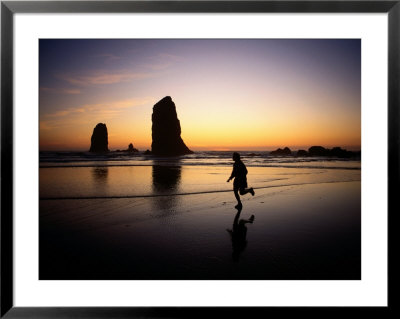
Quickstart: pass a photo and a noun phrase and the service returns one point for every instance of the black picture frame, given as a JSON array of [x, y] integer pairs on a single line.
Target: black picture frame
[[9, 8]]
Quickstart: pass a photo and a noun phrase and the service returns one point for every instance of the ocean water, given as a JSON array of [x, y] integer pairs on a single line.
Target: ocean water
[[72, 175], [211, 158]]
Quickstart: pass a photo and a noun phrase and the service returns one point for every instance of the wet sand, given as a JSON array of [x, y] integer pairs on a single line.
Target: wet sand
[[306, 230]]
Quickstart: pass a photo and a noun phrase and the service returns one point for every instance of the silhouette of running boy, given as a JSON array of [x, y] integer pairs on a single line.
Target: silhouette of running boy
[[239, 172]]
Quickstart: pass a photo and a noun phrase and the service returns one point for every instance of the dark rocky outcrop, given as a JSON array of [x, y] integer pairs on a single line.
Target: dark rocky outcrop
[[301, 153], [131, 149], [342, 153], [147, 152], [282, 152], [166, 130], [339, 152], [99, 140], [334, 152], [318, 151]]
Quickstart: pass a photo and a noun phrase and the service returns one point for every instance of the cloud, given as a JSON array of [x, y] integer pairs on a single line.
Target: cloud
[[108, 57], [158, 62], [162, 61], [102, 77], [171, 57], [65, 112], [60, 90], [86, 113], [157, 66], [45, 125]]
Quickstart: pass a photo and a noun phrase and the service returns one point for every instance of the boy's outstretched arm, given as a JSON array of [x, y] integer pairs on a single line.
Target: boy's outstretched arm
[[232, 175]]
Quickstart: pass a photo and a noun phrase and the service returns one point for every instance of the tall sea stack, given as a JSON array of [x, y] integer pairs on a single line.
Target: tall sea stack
[[99, 140], [166, 130]]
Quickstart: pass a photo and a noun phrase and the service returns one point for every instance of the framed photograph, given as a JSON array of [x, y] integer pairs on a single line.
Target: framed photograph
[[195, 158]]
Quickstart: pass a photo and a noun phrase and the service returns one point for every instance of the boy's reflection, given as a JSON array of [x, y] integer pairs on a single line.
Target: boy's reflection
[[238, 234]]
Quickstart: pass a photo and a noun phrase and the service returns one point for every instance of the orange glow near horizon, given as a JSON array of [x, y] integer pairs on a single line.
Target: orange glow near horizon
[[229, 95]]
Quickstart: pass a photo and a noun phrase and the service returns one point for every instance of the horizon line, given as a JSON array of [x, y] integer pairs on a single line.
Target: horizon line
[[205, 149]]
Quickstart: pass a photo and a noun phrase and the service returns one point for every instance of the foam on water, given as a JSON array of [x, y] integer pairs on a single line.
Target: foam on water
[[211, 158]]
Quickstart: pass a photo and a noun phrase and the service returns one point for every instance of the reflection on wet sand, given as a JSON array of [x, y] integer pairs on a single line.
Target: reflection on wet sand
[[100, 174], [238, 234], [166, 181], [100, 178]]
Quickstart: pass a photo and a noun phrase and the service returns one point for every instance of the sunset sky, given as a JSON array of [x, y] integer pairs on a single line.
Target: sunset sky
[[229, 94]]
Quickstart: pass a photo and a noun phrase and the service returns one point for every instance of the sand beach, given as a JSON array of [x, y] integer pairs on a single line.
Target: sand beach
[[177, 221]]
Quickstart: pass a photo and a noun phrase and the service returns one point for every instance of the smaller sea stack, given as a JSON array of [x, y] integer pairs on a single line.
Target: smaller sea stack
[[131, 149]]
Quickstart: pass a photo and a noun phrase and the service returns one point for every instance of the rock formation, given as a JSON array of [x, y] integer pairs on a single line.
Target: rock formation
[[282, 152], [318, 151], [166, 130], [301, 153], [99, 140], [131, 149], [334, 152], [339, 152]]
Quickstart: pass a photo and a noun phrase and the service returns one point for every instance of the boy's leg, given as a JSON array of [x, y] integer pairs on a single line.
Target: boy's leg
[[235, 191], [244, 191]]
